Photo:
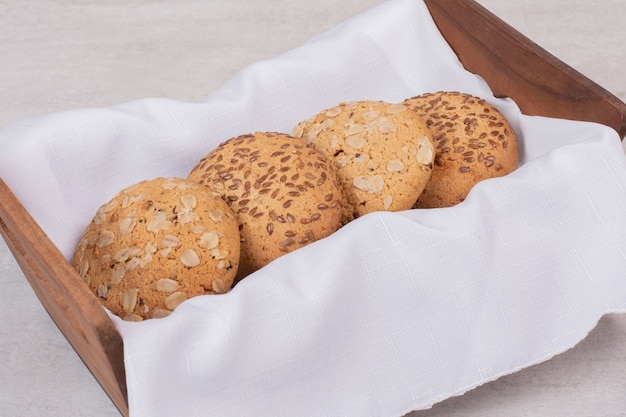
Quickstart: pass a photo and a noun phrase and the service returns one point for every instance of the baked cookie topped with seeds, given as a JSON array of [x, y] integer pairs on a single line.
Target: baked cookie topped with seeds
[[383, 153], [156, 244], [473, 142], [284, 192]]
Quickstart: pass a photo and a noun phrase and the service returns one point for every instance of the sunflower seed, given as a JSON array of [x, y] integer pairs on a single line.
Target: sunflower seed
[[373, 184], [166, 285], [209, 240], [159, 313], [395, 165], [333, 111], [395, 108], [129, 299], [190, 258], [356, 142], [175, 299], [132, 317], [218, 285], [189, 201], [105, 238], [117, 275], [216, 214], [425, 151]]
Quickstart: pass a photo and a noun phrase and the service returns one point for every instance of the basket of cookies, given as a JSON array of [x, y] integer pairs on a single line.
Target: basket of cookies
[[258, 196], [290, 247]]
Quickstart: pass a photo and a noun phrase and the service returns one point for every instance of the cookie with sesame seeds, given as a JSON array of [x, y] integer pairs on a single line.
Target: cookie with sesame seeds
[[383, 154], [285, 194], [156, 244], [473, 142]]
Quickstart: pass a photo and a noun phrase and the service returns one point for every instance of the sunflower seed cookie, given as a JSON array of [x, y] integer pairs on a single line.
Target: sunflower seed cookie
[[285, 193], [473, 142], [156, 244], [383, 154]]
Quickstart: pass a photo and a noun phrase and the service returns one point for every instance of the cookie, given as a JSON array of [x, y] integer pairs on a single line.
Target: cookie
[[156, 244], [285, 193], [473, 142], [383, 154]]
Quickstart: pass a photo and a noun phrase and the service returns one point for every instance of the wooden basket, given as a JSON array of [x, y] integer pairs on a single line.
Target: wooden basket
[[511, 64]]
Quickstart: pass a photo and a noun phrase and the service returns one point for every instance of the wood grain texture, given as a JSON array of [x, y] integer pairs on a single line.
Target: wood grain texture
[[68, 301]]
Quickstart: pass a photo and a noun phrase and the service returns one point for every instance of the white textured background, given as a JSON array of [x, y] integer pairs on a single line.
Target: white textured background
[[63, 54]]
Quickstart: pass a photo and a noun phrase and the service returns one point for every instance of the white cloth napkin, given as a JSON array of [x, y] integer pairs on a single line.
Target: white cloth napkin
[[394, 312]]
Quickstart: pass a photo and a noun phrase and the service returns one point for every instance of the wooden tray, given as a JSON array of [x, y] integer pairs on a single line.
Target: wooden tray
[[511, 64]]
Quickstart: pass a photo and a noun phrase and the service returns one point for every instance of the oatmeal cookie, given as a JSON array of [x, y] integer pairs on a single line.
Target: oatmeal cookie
[[156, 244], [383, 154]]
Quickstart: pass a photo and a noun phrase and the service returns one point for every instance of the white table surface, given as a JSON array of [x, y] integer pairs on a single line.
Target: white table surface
[[67, 54]]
